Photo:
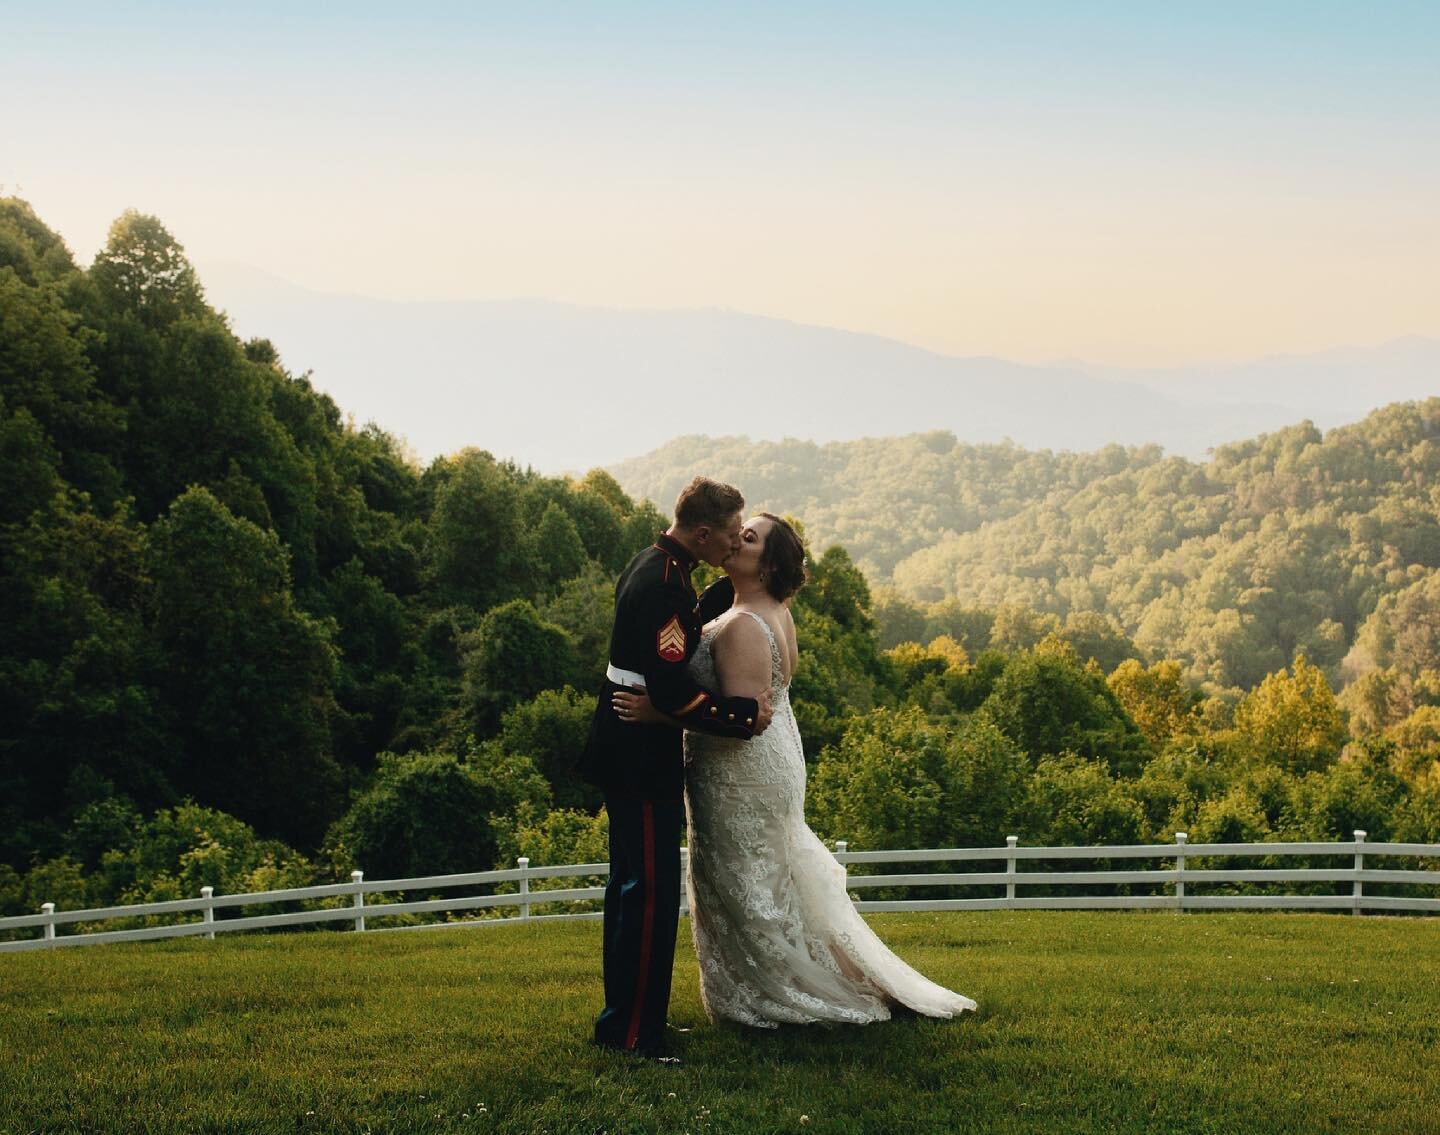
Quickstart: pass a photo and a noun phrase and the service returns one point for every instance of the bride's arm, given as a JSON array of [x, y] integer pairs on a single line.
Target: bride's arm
[[742, 659]]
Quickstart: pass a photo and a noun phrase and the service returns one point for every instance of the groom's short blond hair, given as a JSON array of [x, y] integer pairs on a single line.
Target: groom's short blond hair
[[708, 503]]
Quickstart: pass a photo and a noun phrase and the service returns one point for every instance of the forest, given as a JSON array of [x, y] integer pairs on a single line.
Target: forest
[[1288, 543], [250, 644]]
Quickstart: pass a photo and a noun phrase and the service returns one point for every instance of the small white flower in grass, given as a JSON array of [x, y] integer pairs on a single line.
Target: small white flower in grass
[[804, 1119]]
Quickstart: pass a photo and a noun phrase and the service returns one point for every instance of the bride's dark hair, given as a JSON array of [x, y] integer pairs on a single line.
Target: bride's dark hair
[[782, 560]]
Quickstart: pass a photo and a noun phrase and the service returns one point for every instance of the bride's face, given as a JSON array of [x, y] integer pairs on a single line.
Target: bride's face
[[744, 563]]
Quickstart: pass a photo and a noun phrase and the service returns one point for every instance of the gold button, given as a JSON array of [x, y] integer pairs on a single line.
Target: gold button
[[732, 717], [749, 721], [714, 709]]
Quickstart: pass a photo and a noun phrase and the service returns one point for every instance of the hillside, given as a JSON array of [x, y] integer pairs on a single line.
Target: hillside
[[251, 646], [1296, 540]]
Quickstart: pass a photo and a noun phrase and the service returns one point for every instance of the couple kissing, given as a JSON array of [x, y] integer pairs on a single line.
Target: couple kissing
[[693, 729]]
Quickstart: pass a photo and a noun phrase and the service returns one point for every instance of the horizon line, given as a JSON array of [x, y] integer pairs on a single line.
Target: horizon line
[[1049, 363]]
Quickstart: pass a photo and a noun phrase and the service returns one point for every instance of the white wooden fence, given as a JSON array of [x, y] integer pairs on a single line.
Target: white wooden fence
[[1173, 894]]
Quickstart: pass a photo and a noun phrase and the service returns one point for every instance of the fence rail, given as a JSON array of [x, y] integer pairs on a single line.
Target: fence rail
[[1174, 895]]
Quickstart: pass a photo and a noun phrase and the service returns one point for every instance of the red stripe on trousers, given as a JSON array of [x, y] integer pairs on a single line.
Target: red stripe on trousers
[[647, 926]]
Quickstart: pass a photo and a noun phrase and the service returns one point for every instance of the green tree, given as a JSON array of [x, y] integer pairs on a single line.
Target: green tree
[[47, 378], [1404, 630], [1417, 744], [1235, 817], [1019, 628], [248, 676], [1048, 704], [181, 849], [551, 730], [969, 626], [1073, 801], [1156, 698], [29, 248], [1361, 792], [1173, 785], [841, 671], [1376, 699], [896, 780], [76, 672], [1417, 819], [143, 270], [1292, 719], [558, 546], [1098, 636], [883, 786], [510, 657], [432, 814], [476, 549], [897, 619], [555, 838], [376, 659], [584, 609], [31, 462], [985, 785], [837, 590]]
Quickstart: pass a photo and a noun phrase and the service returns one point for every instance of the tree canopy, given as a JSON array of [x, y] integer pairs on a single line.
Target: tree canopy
[[250, 643]]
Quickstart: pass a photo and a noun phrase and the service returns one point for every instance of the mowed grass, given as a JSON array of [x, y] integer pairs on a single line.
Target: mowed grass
[[1088, 1022]]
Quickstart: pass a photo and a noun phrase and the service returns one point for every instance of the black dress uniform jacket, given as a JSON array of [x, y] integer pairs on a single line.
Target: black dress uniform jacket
[[657, 628]]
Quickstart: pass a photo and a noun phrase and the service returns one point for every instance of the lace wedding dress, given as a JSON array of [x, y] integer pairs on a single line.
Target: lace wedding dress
[[777, 938]]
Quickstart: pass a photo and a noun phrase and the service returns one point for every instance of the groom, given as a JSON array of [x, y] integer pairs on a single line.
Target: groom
[[641, 768]]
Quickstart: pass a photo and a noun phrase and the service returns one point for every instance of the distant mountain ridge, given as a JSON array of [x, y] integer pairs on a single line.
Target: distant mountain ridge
[[1295, 541], [1328, 387], [564, 387]]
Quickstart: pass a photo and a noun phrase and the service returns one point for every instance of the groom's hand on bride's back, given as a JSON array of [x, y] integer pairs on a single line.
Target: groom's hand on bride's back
[[765, 712]]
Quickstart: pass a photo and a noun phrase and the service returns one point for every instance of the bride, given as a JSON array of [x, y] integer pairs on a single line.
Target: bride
[[776, 936]]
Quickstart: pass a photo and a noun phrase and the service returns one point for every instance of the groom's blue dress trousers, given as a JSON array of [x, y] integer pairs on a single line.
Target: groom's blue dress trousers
[[641, 769]]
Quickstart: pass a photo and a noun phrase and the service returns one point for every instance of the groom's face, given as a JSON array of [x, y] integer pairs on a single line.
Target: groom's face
[[718, 543]]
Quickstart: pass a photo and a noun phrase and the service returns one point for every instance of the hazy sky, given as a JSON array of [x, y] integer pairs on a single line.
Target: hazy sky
[[1124, 183]]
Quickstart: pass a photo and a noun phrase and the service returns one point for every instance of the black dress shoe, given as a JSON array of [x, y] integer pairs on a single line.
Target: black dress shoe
[[656, 1054]]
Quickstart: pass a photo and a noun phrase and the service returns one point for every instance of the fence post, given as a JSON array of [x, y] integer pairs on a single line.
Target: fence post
[[208, 893], [524, 862], [1359, 866], [48, 910], [1180, 838], [358, 877], [684, 886], [1010, 842]]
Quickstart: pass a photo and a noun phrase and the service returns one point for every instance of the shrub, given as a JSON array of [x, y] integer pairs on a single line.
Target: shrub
[[433, 813]]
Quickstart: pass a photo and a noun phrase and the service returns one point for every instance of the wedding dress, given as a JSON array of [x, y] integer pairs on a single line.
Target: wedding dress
[[776, 935]]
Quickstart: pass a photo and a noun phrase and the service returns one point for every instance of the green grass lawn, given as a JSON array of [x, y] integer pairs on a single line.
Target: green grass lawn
[[1088, 1022]]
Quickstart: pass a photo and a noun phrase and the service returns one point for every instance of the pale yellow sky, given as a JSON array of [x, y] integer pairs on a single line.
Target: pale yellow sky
[[1125, 188]]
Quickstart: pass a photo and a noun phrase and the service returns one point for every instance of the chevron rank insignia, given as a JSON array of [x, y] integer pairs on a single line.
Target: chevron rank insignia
[[670, 640]]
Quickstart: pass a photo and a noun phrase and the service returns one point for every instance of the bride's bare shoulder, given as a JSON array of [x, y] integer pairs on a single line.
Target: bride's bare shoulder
[[739, 631]]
